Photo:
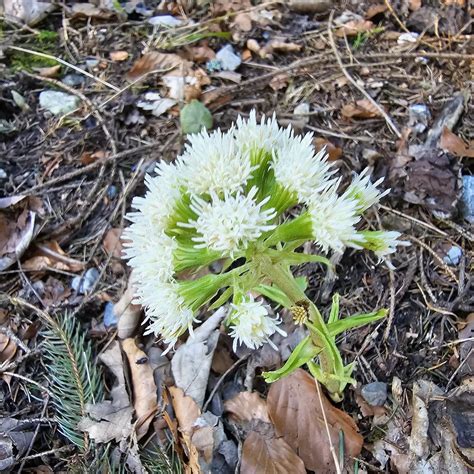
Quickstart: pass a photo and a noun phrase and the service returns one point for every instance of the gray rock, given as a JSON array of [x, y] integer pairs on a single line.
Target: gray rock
[[110, 320], [375, 393], [86, 283], [58, 103], [229, 61], [73, 80], [419, 117], [467, 204], [3, 174], [453, 256]]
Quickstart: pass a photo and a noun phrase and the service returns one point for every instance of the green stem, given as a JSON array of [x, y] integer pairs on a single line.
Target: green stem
[[282, 277]]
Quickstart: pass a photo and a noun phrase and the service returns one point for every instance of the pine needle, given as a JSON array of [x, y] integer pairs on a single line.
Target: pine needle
[[74, 379]]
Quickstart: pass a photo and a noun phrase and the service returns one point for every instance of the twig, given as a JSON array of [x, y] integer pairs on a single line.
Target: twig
[[382, 112], [11, 335], [90, 167], [48, 453], [65, 63], [459, 368], [391, 313], [223, 376], [331, 446], [33, 382]]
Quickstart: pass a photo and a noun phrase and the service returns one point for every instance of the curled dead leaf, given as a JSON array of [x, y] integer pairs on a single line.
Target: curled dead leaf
[[112, 243], [51, 255], [296, 412], [333, 151], [156, 61], [145, 400], [354, 27], [451, 143], [280, 81], [374, 10], [127, 313], [361, 109], [8, 348], [247, 406], [118, 56]]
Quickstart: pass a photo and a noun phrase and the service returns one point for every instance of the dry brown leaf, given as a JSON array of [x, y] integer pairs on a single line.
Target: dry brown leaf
[[156, 61], [269, 455], [354, 27], [243, 22], [361, 109], [374, 10], [145, 400], [110, 419], [118, 55], [187, 412], [280, 81], [200, 54], [220, 7], [127, 313], [52, 71], [91, 11], [333, 151], [8, 348], [451, 143], [87, 157], [16, 233], [112, 243], [247, 406], [51, 255], [414, 5], [281, 47], [295, 410]]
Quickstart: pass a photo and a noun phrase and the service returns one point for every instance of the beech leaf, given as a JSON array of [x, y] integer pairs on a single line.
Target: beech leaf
[[295, 410]]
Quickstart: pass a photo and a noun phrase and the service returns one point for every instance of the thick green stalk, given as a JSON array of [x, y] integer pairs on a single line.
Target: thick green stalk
[[282, 277]]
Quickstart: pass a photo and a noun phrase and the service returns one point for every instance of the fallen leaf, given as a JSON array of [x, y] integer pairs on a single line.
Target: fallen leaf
[[90, 11], [50, 255], [265, 454], [145, 400], [192, 361], [280, 81], [127, 313], [16, 233], [466, 348], [8, 348], [242, 21], [118, 55], [87, 157], [110, 419], [333, 151], [451, 143], [361, 109], [52, 71], [200, 54], [156, 61], [247, 406], [15, 439], [414, 5], [112, 242], [374, 10], [194, 117], [354, 27], [295, 410]]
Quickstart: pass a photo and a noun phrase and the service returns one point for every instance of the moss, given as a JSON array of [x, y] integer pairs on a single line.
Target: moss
[[46, 37], [20, 61]]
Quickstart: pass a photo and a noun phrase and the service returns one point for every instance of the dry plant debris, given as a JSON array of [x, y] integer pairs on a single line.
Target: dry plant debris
[[385, 85]]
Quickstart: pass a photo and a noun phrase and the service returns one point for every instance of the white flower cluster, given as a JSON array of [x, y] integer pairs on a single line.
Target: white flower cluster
[[226, 192]]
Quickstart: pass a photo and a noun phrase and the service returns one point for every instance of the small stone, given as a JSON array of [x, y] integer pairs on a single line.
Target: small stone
[[91, 63], [3, 174], [73, 80], [58, 103], [467, 204], [419, 117], [165, 20], [112, 191], [110, 319], [229, 61], [406, 38], [453, 256], [375, 393], [85, 284]]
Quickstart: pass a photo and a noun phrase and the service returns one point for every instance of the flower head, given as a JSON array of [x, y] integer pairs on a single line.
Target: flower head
[[214, 163], [251, 324], [298, 168], [382, 243], [334, 218], [229, 224], [161, 197], [252, 135], [364, 192]]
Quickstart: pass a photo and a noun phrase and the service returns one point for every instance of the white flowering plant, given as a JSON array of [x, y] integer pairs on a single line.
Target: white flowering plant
[[249, 199]]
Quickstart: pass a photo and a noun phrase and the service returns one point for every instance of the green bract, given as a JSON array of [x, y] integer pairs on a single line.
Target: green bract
[[227, 199]]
